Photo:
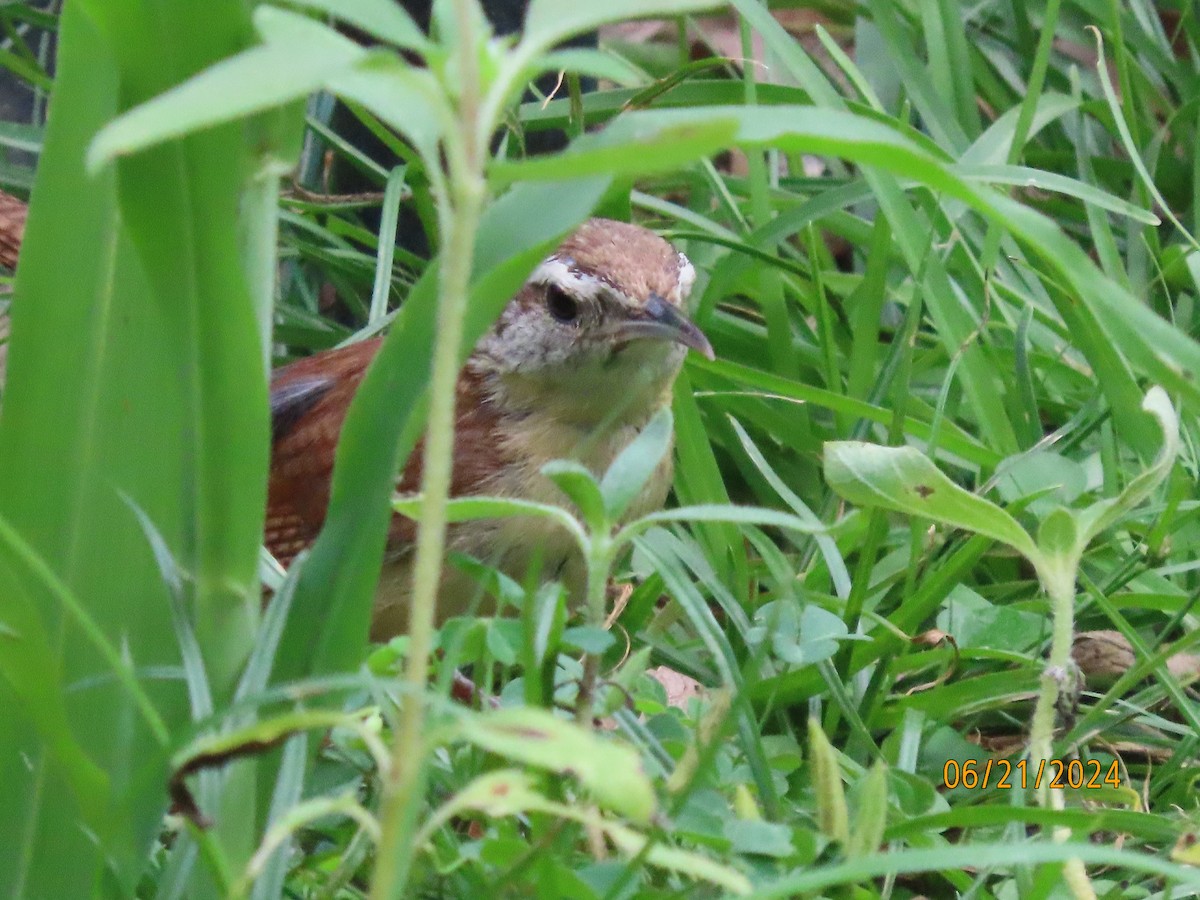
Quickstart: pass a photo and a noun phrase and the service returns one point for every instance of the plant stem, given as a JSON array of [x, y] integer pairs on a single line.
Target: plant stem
[[467, 190], [1058, 579], [598, 563]]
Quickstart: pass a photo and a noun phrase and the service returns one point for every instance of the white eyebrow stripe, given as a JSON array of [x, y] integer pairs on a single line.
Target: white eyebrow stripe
[[685, 279], [555, 271]]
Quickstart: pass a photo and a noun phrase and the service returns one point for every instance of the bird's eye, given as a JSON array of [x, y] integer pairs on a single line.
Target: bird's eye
[[562, 306]]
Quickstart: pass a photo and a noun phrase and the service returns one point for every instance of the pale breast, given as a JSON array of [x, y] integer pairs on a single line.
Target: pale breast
[[523, 546]]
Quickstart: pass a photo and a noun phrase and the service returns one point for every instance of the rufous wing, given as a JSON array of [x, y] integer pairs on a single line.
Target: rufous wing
[[309, 399]]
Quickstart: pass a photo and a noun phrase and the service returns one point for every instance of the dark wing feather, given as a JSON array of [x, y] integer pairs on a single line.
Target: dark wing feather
[[291, 400]]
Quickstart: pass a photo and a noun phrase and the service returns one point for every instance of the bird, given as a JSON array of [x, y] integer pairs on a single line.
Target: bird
[[579, 361]]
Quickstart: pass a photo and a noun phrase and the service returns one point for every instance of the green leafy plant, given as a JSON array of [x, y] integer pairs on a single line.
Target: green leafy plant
[[902, 479]]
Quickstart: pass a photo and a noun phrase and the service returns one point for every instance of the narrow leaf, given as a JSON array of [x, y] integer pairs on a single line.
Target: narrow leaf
[[574, 480], [467, 509], [1023, 176], [737, 515], [1104, 513]]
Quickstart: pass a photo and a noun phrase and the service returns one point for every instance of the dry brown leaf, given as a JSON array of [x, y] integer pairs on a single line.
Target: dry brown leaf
[[680, 688]]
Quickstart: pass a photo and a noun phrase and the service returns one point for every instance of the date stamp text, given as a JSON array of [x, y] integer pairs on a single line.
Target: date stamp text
[[1056, 774]]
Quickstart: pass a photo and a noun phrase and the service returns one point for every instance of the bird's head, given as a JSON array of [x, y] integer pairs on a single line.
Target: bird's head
[[599, 324]]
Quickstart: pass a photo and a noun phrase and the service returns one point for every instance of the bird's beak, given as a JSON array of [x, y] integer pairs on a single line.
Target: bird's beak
[[659, 320]]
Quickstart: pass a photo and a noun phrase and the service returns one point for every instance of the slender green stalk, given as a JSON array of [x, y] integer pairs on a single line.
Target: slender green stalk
[[1059, 582], [259, 227], [599, 562], [465, 158], [1058, 579], [404, 789]]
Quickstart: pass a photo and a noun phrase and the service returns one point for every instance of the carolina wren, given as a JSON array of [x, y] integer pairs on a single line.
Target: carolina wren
[[578, 362]]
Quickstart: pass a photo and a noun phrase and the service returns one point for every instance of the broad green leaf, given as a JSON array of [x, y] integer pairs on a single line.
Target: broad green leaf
[[758, 838], [1041, 478], [902, 479], [39, 742], [183, 206], [634, 465], [589, 638], [800, 635], [976, 623], [402, 96], [612, 772], [502, 637], [136, 372], [384, 19], [59, 753], [300, 56]]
